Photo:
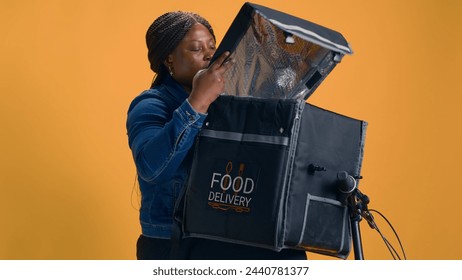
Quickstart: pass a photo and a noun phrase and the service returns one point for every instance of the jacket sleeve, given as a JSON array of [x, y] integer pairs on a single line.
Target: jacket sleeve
[[160, 139]]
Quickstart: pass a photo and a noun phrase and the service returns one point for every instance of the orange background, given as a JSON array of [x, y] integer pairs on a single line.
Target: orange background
[[69, 70]]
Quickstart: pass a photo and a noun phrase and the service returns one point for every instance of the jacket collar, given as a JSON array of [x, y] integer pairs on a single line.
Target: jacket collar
[[175, 89]]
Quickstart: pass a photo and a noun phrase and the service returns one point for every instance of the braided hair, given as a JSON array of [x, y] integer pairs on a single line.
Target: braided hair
[[164, 35]]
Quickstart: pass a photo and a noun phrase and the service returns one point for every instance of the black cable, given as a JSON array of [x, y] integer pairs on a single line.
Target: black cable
[[135, 189], [360, 203], [394, 231], [390, 247]]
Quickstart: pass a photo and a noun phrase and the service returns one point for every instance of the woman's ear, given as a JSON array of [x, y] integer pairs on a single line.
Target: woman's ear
[[168, 62]]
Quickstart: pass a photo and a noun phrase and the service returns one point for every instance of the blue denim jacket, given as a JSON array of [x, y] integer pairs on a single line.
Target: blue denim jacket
[[161, 127]]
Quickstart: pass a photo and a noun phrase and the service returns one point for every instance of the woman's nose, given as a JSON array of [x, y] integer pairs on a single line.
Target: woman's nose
[[209, 55]]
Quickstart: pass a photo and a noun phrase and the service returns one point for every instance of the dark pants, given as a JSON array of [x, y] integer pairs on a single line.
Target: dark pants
[[204, 249], [153, 248]]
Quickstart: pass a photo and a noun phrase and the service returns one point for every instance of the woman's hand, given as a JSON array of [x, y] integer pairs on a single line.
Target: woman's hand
[[209, 83]]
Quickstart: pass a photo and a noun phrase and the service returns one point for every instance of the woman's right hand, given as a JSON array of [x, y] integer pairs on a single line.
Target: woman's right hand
[[209, 83]]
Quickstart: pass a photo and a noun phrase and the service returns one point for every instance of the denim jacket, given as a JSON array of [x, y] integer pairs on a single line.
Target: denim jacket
[[161, 127]]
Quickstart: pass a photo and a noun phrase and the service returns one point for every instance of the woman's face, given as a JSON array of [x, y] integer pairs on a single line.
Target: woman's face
[[192, 54]]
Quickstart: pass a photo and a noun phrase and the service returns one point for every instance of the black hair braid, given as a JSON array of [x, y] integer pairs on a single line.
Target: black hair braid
[[164, 35]]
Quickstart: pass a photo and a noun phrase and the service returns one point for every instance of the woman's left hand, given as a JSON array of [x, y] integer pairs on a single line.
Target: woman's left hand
[[209, 83]]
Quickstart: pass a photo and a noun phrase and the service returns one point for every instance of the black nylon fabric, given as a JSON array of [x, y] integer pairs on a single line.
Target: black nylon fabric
[[252, 115], [266, 195], [234, 214], [335, 143]]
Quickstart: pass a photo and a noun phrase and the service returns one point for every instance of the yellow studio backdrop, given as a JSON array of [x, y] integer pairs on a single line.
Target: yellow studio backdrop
[[69, 70]]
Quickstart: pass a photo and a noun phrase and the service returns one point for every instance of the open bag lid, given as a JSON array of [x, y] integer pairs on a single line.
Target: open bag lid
[[278, 55]]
